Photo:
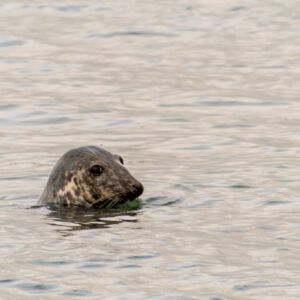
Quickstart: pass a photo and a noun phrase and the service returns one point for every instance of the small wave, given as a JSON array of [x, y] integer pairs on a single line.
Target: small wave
[[35, 287], [60, 8], [7, 41], [222, 103], [133, 33]]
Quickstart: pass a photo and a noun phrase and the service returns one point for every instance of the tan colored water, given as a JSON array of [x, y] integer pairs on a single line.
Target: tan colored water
[[201, 98]]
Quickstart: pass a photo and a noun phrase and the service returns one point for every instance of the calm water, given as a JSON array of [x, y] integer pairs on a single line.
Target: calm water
[[202, 101]]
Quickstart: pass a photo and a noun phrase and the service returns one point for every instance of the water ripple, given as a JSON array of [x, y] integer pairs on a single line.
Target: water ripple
[[132, 33], [7, 41]]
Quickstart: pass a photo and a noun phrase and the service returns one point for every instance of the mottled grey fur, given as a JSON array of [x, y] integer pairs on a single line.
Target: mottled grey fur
[[72, 183]]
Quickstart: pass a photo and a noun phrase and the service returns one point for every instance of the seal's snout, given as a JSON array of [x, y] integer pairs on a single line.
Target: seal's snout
[[137, 189]]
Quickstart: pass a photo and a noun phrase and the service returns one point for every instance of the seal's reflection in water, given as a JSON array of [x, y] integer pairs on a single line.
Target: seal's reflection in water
[[81, 219]]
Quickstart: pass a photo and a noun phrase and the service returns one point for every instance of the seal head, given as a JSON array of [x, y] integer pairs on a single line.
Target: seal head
[[90, 177]]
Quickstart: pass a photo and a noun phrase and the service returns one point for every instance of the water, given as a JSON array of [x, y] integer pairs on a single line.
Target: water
[[201, 99]]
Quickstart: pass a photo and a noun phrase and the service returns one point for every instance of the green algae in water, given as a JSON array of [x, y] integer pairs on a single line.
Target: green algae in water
[[131, 205]]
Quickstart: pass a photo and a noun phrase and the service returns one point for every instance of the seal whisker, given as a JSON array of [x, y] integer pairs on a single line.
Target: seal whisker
[[115, 203]]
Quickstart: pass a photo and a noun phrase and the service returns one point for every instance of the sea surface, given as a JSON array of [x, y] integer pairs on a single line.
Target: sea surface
[[201, 99]]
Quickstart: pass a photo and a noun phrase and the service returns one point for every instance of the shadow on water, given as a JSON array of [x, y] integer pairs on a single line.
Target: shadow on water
[[74, 219]]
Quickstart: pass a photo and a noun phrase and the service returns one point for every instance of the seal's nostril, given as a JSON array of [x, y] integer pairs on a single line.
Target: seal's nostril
[[138, 188]]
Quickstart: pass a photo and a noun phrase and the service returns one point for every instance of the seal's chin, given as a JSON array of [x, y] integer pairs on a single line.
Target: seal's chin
[[109, 203], [136, 191]]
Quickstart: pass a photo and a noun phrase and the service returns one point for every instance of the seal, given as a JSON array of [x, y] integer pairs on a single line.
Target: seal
[[90, 177]]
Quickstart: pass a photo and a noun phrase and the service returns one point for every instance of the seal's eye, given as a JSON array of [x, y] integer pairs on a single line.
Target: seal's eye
[[121, 160], [96, 170]]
